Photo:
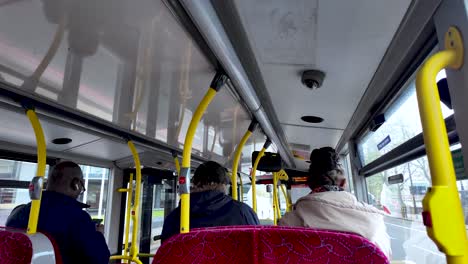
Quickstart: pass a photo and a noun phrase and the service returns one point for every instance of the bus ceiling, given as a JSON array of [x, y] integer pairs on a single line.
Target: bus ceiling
[[152, 69], [266, 46], [117, 100]]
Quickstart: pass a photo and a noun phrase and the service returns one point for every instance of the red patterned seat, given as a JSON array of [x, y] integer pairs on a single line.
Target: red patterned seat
[[17, 247], [267, 244]]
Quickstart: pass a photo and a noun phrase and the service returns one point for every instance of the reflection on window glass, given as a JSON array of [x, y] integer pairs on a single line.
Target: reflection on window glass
[[213, 141], [18, 170], [402, 123], [403, 204]]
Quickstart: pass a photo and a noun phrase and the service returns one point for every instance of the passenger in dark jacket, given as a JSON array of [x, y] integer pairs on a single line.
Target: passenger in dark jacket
[[62, 217], [209, 204]]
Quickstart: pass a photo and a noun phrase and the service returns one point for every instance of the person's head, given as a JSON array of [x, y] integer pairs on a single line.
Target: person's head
[[66, 178], [325, 169], [210, 176]]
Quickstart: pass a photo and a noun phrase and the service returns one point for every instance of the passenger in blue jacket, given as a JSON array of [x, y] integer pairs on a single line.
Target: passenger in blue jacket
[[209, 204], [62, 217]]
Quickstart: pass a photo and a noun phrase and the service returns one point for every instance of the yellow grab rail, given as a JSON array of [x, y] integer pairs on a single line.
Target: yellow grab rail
[[129, 258], [129, 192], [237, 156], [253, 174], [443, 215], [275, 198], [184, 175], [135, 211], [35, 187], [176, 162], [136, 203]]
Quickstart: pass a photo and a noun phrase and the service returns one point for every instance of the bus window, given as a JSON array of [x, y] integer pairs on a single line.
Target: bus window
[[402, 123], [265, 203], [403, 203], [96, 184], [14, 177], [346, 163], [17, 174], [298, 191]]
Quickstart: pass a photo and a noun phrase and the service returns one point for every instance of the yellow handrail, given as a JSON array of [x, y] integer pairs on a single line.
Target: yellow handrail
[[443, 215], [128, 214], [237, 156], [184, 176], [129, 258], [136, 203], [135, 211], [176, 162], [253, 174], [275, 198], [35, 187]]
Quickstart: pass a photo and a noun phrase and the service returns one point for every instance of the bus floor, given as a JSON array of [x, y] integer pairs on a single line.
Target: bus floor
[[410, 242]]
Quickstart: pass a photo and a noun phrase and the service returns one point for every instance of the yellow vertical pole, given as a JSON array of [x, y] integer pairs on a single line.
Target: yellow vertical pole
[[443, 215], [128, 214], [241, 188], [35, 187], [237, 156], [184, 176], [253, 173], [136, 203], [275, 198], [176, 162]]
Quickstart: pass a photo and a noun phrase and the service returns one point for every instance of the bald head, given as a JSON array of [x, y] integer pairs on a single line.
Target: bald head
[[67, 178]]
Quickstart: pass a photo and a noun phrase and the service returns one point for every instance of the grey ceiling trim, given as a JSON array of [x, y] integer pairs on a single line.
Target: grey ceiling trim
[[415, 30], [207, 21], [309, 126]]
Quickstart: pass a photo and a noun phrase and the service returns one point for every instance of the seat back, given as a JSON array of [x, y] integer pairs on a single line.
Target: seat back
[[18, 247], [267, 244]]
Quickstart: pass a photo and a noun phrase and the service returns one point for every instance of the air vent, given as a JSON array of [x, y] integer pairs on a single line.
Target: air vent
[[61, 141], [312, 119]]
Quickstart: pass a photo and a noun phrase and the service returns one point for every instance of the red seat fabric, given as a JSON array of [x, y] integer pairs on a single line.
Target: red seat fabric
[[15, 247], [266, 244]]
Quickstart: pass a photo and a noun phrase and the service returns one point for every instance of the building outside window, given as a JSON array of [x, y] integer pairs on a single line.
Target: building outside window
[[96, 184]]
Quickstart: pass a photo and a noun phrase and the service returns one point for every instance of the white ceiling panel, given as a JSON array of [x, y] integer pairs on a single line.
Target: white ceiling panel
[[345, 39], [286, 32], [104, 149], [16, 128]]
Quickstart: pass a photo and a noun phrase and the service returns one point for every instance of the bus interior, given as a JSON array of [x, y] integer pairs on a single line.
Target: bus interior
[[118, 83]]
